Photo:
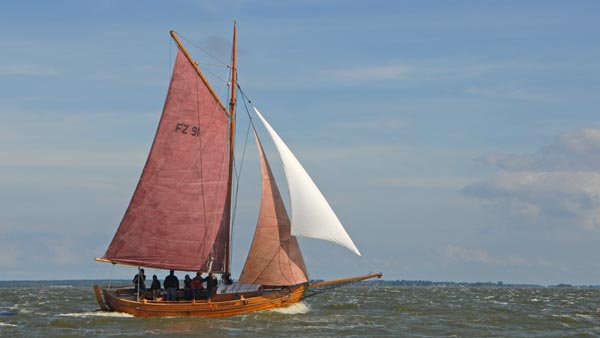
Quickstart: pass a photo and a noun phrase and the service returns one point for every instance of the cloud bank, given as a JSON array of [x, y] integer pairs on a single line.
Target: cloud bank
[[557, 185]]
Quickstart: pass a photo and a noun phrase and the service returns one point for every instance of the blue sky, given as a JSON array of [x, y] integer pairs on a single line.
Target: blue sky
[[455, 140]]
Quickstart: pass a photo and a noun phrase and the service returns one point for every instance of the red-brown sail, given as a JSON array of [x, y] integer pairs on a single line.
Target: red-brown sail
[[275, 258], [176, 217]]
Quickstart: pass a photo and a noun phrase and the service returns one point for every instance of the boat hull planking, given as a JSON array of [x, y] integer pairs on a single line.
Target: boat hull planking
[[124, 300]]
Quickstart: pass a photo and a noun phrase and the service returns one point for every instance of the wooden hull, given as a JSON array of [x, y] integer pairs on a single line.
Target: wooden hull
[[123, 300]]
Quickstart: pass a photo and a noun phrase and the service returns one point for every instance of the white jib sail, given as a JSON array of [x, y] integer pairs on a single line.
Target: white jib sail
[[311, 214]]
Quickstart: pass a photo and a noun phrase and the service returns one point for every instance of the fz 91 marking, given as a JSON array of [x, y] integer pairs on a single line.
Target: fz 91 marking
[[187, 129]]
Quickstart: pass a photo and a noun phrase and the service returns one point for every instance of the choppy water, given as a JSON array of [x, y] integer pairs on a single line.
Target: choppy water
[[47, 309]]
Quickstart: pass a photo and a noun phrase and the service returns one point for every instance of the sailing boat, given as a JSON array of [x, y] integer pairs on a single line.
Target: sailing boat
[[179, 217]]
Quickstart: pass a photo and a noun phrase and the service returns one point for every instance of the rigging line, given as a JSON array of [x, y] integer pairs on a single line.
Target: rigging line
[[238, 172], [215, 65], [215, 75], [238, 175], [202, 49], [250, 102]]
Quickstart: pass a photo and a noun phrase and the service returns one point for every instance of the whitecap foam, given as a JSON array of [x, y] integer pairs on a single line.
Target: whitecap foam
[[296, 308], [96, 314], [6, 324], [586, 317]]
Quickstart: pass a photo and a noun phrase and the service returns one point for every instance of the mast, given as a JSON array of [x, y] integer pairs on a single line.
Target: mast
[[231, 149]]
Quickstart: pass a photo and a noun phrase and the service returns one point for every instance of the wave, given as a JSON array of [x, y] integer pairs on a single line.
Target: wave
[[60, 286], [586, 317], [96, 314], [6, 324], [296, 308]]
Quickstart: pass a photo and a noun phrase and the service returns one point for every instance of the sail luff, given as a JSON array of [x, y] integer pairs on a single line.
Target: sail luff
[[312, 215]]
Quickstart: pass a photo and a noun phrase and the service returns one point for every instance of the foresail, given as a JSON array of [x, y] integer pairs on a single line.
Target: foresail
[[176, 217], [274, 258], [311, 214]]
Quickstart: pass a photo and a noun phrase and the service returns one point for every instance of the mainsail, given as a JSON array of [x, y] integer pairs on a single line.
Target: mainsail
[[311, 214], [177, 216], [275, 258]]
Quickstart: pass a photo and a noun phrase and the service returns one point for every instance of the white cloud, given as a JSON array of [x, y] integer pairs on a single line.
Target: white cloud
[[574, 151], [378, 125], [432, 182], [71, 159], [477, 255], [544, 196], [8, 255], [560, 184], [513, 91], [362, 74], [28, 70], [46, 253]]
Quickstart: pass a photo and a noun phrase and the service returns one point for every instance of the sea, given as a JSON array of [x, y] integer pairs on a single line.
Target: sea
[[69, 309]]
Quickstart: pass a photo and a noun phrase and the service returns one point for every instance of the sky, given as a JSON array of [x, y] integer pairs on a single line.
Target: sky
[[456, 141]]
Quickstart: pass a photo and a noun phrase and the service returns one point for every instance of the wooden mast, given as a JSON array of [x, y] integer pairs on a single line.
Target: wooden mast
[[231, 149]]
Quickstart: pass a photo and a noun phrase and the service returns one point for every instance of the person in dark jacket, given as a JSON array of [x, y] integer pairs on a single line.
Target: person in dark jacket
[[171, 285], [155, 287], [211, 285], [187, 288], [139, 280], [197, 285]]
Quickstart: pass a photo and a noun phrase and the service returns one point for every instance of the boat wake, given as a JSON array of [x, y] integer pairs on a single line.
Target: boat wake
[[97, 314], [296, 308]]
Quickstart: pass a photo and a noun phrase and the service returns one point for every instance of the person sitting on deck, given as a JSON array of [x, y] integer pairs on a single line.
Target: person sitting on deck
[[187, 288], [211, 285], [171, 285], [155, 287], [198, 285], [139, 280]]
